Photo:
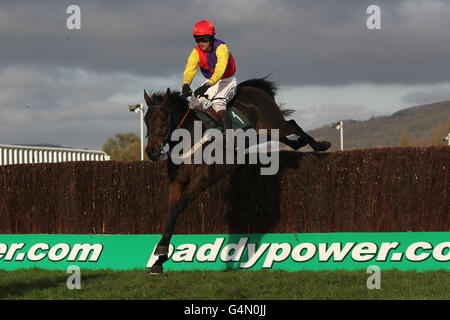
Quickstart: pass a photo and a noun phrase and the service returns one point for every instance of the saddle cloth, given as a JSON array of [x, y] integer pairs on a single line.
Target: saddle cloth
[[236, 119]]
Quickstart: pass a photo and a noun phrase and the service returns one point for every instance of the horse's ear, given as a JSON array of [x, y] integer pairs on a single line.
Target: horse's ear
[[147, 99], [166, 98]]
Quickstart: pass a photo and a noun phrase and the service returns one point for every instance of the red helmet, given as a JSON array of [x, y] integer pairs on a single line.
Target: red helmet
[[204, 27]]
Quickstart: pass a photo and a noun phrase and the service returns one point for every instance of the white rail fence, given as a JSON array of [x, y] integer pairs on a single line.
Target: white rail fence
[[10, 154]]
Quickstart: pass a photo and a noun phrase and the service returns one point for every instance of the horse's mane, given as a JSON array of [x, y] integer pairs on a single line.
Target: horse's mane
[[176, 98]]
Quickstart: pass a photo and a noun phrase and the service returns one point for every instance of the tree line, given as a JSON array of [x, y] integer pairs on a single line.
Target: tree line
[[433, 138], [124, 147]]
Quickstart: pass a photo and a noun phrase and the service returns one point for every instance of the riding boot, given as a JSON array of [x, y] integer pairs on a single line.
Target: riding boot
[[222, 115]]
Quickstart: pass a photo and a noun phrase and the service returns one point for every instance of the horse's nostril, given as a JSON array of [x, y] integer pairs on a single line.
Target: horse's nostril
[[149, 150]]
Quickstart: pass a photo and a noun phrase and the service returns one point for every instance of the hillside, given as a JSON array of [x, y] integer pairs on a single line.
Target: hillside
[[419, 122]]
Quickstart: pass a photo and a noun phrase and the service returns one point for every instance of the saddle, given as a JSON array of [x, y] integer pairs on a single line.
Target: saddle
[[236, 119]]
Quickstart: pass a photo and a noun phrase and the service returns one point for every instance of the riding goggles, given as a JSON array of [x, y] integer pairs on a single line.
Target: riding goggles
[[199, 39]]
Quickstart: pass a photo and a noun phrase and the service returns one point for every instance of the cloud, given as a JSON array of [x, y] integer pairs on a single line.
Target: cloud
[[305, 42], [440, 93], [321, 105], [317, 115], [71, 107], [71, 87]]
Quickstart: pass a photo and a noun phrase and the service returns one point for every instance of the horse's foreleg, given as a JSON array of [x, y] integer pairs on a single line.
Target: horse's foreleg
[[157, 267], [163, 245], [175, 191], [192, 189]]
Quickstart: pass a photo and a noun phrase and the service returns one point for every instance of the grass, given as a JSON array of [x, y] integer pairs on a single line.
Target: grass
[[41, 284]]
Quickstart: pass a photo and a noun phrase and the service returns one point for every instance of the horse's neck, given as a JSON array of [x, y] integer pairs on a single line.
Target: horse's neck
[[181, 118], [186, 124]]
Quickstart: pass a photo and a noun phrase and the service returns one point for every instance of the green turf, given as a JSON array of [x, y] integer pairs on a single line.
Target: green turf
[[228, 285]]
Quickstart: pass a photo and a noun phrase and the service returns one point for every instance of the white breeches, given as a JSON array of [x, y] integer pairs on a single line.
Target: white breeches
[[219, 94]]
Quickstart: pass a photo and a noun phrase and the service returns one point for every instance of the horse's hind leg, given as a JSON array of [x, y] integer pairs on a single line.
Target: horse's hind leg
[[316, 145], [294, 144]]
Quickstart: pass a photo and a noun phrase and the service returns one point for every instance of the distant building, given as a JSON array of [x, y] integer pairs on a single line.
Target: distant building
[[17, 154]]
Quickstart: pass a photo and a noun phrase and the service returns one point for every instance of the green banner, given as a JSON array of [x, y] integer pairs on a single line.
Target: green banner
[[292, 252]]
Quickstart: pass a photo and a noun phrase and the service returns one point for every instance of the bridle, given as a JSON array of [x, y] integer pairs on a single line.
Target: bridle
[[167, 134]]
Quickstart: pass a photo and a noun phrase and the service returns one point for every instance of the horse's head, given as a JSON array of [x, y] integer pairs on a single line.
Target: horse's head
[[159, 124]]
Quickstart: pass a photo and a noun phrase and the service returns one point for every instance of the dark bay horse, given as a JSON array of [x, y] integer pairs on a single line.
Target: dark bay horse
[[167, 111]]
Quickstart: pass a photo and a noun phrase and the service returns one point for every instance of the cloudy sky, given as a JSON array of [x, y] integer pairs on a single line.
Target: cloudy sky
[[72, 87]]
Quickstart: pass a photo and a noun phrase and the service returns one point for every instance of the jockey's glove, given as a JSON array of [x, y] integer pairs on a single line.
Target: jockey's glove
[[202, 89], [186, 91]]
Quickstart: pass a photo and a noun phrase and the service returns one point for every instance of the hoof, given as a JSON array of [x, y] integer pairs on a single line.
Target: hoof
[[156, 269], [161, 250], [322, 146]]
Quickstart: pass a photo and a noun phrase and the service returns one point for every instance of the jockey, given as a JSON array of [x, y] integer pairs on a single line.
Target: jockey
[[217, 66]]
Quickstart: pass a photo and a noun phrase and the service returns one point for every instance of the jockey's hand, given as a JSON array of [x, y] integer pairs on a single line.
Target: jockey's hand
[[202, 89], [186, 91]]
